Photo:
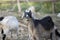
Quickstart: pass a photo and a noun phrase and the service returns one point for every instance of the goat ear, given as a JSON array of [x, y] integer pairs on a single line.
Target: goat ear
[[30, 11]]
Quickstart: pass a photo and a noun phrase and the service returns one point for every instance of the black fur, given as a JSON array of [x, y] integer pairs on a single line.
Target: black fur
[[51, 35], [1, 18], [4, 36], [46, 22], [29, 14], [2, 31], [57, 33]]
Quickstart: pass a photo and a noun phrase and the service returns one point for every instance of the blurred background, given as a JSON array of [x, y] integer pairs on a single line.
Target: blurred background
[[45, 7], [40, 9]]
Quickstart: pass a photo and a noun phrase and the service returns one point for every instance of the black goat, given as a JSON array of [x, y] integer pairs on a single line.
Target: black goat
[[45, 25]]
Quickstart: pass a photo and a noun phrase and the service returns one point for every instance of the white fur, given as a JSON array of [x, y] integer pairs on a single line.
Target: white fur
[[55, 27], [10, 23], [58, 15]]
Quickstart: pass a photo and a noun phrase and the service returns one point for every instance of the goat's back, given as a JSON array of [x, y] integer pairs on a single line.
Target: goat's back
[[46, 22]]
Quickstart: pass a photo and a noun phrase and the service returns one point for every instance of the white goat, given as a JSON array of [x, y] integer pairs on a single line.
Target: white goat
[[9, 23]]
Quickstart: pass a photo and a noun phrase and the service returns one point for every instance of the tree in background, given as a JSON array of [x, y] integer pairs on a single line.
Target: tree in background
[[19, 7], [57, 7]]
